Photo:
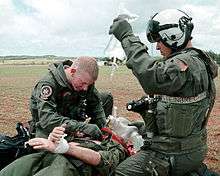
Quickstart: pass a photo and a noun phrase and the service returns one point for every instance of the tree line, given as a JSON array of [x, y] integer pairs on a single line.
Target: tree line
[[214, 55]]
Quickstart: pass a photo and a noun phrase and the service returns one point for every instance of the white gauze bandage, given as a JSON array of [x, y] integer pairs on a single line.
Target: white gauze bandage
[[63, 146]]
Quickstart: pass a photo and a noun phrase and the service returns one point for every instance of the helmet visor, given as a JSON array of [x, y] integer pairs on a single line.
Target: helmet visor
[[152, 32], [153, 37]]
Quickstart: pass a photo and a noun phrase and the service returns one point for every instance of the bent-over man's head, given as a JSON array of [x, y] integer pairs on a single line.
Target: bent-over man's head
[[82, 73]]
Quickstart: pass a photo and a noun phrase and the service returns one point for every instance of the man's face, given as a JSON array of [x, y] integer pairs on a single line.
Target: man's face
[[164, 51], [81, 81]]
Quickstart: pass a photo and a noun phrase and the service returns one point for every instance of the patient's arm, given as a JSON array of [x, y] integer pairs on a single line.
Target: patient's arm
[[86, 155], [42, 144]]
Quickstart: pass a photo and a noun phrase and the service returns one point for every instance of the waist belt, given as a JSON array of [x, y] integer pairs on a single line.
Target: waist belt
[[170, 144], [170, 99]]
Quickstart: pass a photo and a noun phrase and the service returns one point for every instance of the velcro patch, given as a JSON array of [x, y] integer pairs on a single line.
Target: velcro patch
[[183, 66], [46, 92]]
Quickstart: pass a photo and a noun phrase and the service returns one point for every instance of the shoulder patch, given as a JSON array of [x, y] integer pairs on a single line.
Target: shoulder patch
[[46, 92], [182, 65]]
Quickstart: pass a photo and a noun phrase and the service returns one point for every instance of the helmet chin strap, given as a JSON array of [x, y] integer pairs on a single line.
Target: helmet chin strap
[[175, 50]]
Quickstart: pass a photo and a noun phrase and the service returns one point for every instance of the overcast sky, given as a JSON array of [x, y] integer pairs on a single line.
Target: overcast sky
[[80, 27]]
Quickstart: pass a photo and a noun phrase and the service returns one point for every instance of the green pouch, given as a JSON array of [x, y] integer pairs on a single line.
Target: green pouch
[[156, 166]]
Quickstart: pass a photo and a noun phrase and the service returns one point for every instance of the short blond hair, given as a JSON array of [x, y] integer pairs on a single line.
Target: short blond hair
[[87, 64]]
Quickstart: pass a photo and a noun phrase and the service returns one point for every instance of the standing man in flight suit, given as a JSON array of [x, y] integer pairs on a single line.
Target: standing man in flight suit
[[184, 81], [66, 95]]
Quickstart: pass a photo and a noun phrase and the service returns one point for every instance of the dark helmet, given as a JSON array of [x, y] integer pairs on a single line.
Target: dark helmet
[[172, 27]]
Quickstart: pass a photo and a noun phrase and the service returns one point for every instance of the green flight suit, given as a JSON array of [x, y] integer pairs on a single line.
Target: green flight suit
[[186, 92], [54, 102], [49, 164]]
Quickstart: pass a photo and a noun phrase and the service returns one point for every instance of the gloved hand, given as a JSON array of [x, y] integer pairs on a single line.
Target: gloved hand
[[140, 125], [91, 130], [120, 28]]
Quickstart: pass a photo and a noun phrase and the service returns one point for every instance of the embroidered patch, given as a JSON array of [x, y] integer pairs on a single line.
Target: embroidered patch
[[46, 91], [183, 66]]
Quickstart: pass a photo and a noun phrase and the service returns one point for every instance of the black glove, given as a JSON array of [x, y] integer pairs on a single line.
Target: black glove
[[120, 28], [91, 130], [140, 125]]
